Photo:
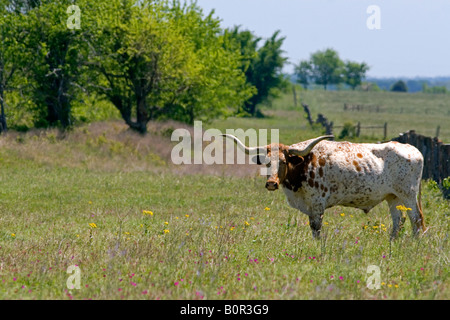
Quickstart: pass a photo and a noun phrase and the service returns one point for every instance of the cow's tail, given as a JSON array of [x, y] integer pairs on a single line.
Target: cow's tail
[[419, 205]]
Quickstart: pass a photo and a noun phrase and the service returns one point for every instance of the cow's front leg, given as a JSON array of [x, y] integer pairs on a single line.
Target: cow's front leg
[[315, 222]]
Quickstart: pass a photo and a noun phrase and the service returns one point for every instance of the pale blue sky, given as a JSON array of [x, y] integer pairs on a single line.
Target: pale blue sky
[[414, 39]]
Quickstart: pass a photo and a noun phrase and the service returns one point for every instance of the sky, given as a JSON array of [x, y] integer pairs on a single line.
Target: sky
[[408, 38]]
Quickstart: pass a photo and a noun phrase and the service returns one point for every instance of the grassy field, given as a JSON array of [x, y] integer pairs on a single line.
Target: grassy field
[[110, 202]]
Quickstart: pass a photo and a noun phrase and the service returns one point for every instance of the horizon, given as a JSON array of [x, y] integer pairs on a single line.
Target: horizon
[[409, 31]]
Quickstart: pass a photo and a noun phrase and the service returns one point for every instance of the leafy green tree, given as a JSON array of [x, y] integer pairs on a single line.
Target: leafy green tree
[[354, 73], [161, 59], [303, 73], [58, 71], [50, 60], [262, 65], [247, 43], [327, 67], [13, 52], [7, 67], [399, 86]]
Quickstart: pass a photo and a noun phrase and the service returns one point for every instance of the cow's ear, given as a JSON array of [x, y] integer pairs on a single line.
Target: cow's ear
[[259, 159], [295, 160]]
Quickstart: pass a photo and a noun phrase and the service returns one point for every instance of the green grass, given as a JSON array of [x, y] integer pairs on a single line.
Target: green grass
[[223, 242]]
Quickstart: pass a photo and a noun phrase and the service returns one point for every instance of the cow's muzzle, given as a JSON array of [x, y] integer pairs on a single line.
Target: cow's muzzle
[[271, 185]]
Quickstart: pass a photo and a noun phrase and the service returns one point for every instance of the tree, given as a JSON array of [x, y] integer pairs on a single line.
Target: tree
[[57, 74], [13, 52], [262, 65], [354, 73], [7, 67], [327, 67], [155, 59], [399, 86], [303, 73], [50, 60]]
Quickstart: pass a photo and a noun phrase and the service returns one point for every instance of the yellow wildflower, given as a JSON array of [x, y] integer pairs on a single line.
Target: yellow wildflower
[[144, 212], [246, 223], [267, 208], [186, 215], [166, 223], [390, 285], [232, 228], [13, 235], [403, 208], [166, 231], [92, 225], [342, 214], [396, 286]]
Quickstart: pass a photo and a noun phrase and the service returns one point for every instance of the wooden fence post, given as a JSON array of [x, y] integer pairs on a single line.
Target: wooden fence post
[[295, 95], [308, 113], [385, 131], [444, 167]]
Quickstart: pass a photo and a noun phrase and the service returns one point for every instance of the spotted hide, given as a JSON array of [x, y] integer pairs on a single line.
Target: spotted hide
[[318, 174]]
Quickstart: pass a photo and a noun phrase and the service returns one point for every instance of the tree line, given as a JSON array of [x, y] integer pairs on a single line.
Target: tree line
[[149, 59]]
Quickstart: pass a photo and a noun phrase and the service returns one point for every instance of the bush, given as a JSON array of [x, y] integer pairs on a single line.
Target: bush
[[399, 86], [349, 130]]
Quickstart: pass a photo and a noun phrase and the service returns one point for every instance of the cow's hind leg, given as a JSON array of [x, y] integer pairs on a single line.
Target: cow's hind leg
[[397, 218], [415, 215]]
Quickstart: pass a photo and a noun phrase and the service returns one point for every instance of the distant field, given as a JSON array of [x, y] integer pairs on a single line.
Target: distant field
[[86, 199], [402, 111]]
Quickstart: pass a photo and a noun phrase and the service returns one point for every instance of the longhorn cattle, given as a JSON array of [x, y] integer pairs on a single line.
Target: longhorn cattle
[[318, 174]]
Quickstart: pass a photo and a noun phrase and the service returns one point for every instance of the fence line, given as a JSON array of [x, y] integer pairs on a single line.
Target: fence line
[[363, 107], [358, 128]]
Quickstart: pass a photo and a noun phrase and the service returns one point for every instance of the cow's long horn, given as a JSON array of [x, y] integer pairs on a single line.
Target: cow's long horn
[[307, 150], [247, 150]]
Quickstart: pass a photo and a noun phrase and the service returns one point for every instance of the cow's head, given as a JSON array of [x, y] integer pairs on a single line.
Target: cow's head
[[278, 158]]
